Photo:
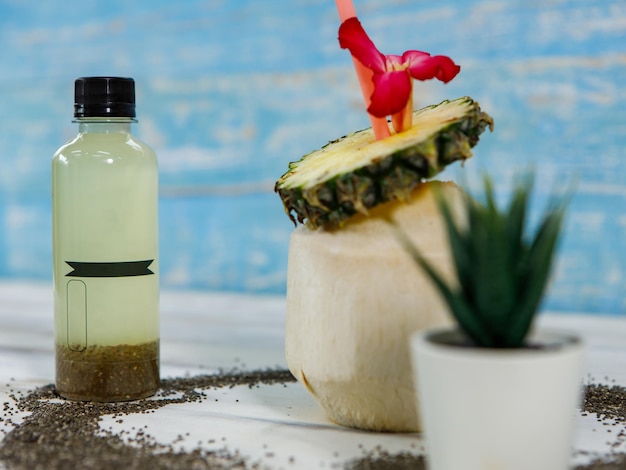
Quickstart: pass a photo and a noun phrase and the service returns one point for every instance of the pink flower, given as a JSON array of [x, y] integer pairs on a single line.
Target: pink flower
[[392, 74]]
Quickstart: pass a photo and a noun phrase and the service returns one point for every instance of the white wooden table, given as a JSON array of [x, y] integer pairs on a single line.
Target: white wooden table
[[276, 425]]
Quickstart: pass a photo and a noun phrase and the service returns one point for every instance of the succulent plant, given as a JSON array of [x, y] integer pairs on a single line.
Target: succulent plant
[[502, 271]]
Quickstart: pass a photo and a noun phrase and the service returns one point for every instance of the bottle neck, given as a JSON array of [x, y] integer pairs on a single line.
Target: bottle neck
[[101, 125]]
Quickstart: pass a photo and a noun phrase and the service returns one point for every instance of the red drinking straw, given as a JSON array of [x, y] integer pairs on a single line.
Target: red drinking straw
[[379, 125]]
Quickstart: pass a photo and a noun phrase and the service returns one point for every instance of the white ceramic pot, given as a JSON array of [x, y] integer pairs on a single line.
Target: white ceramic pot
[[507, 409]]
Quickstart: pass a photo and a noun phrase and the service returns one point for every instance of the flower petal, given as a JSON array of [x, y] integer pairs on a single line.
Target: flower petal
[[394, 62], [353, 37], [392, 91], [423, 66]]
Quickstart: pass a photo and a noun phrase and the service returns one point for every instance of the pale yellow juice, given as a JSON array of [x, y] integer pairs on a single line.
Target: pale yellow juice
[[105, 211]]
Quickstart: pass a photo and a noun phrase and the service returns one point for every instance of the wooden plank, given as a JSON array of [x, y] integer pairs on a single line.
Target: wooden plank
[[230, 92]]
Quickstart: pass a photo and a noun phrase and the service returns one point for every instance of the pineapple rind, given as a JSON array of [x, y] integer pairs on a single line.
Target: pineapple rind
[[356, 173]]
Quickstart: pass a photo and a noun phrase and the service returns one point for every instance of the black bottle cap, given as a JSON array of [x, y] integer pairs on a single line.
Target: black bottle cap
[[104, 97]]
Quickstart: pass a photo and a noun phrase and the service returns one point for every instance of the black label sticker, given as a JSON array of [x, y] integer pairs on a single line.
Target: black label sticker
[[115, 269]]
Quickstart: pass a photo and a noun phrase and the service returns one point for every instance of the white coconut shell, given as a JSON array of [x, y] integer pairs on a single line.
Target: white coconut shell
[[354, 296]]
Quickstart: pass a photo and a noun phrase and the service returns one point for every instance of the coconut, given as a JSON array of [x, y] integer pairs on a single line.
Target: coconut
[[354, 296]]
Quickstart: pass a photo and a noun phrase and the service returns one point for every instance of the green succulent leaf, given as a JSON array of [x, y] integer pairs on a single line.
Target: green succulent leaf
[[493, 283], [458, 244], [535, 268], [517, 214], [460, 308], [502, 273]]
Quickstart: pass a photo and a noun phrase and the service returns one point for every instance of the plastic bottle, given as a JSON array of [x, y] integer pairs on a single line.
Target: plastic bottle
[[105, 250]]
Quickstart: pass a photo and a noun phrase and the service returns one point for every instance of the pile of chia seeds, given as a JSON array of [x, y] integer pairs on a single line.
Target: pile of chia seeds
[[608, 403], [379, 459], [61, 434]]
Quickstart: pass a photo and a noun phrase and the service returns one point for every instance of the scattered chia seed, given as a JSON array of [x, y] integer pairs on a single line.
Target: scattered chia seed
[[608, 403], [383, 460], [60, 434]]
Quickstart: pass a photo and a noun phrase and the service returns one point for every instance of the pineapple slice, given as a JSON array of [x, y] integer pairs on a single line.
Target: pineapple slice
[[356, 173]]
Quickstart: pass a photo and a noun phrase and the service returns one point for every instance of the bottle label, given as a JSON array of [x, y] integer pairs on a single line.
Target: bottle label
[[107, 303], [115, 269]]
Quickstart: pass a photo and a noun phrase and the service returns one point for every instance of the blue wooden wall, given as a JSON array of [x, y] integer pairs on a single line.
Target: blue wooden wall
[[230, 91]]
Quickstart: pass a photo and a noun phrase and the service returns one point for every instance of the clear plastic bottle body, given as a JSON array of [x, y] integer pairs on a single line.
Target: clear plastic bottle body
[[105, 256]]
